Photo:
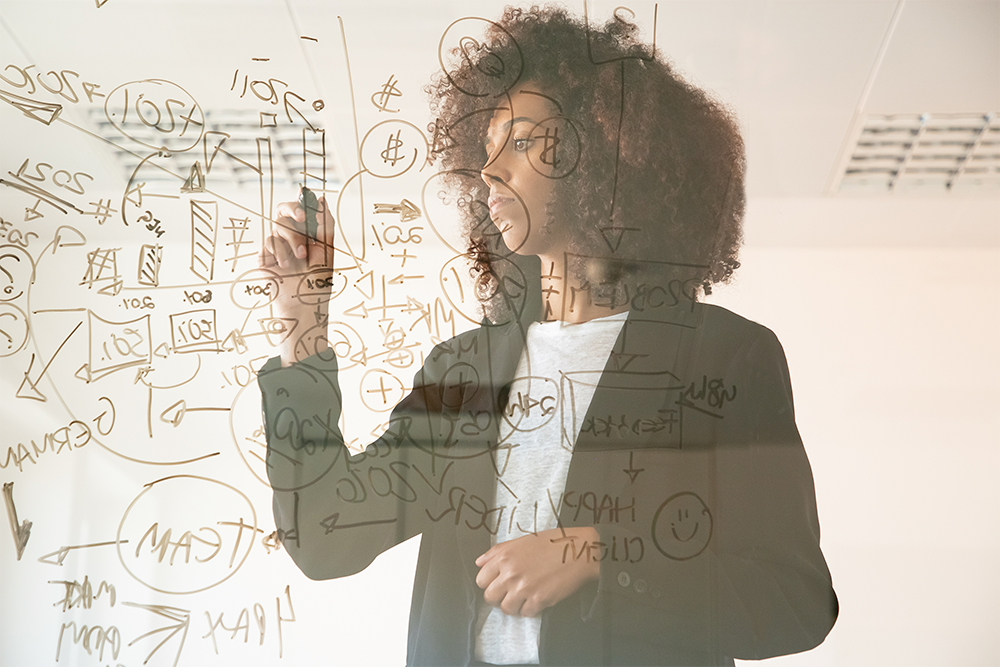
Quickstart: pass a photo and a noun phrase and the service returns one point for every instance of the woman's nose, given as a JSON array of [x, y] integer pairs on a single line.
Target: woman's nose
[[495, 170]]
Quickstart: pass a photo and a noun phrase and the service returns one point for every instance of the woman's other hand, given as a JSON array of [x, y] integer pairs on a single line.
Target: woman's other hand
[[529, 574]]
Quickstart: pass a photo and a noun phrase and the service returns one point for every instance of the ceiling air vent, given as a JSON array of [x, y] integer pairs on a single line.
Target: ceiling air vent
[[925, 154]]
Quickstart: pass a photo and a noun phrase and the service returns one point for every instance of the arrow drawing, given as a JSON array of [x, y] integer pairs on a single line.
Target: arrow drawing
[[175, 413], [29, 387], [195, 181], [59, 555], [353, 311], [398, 280], [143, 371], [613, 235], [369, 280], [276, 329], [41, 194], [330, 523], [622, 360], [406, 209], [43, 112], [59, 242], [20, 531], [82, 373], [632, 471], [181, 617], [35, 191]]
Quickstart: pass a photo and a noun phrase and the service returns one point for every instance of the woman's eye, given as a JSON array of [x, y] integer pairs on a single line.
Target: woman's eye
[[521, 144]]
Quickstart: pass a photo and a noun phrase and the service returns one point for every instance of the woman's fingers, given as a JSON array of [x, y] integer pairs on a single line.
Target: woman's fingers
[[320, 249], [486, 575], [512, 604], [279, 250], [290, 226], [501, 592], [291, 209], [508, 598], [486, 557], [289, 240]]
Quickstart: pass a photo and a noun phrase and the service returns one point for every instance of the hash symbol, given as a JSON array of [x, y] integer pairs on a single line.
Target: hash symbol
[[101, 211]]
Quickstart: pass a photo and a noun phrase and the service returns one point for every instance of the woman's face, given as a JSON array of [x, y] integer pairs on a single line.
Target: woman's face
[[519, 161]]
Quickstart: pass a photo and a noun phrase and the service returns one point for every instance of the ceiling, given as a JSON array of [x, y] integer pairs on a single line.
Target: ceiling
[[803, 76]]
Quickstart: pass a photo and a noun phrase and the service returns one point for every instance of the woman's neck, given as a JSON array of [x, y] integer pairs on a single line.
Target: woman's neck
[[570, 299]]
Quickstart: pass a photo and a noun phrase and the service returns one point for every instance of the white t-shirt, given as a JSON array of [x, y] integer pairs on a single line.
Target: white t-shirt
[[553, 386]]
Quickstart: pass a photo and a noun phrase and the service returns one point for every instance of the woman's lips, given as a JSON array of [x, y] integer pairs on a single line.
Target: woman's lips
[[497, 202]]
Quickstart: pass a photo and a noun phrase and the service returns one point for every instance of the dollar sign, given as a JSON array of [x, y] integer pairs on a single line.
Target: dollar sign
[[388, 91], [550, 146], [391, 153]]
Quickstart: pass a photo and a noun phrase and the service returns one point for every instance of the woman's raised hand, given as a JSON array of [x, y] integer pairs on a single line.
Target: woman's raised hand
[[291, 253]]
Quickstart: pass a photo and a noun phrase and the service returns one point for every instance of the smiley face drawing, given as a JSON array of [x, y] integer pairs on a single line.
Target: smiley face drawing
[[682, 526]]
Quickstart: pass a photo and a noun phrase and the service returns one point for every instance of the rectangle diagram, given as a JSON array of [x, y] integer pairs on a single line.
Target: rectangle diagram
[[638, 410], [115, 346], [194, 331], [204, 229], [150, 256], [314, 159]]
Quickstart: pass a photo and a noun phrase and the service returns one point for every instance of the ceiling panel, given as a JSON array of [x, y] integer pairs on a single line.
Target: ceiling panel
[[794, 71], [944, 58]]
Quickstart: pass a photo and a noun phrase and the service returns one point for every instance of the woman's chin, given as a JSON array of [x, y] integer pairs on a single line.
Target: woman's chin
[[518, 243]]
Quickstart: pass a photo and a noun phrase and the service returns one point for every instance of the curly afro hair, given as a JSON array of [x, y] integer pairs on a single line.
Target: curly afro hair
[[657, 193]]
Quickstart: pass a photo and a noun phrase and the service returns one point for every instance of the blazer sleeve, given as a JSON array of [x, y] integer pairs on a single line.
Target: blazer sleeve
[[336, 511], [753, 583]]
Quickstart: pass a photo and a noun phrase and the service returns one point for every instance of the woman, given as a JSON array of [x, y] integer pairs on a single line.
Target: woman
[[607, 471]]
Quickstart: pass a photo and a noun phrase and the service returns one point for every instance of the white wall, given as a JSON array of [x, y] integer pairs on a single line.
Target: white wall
[[891, 341]]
